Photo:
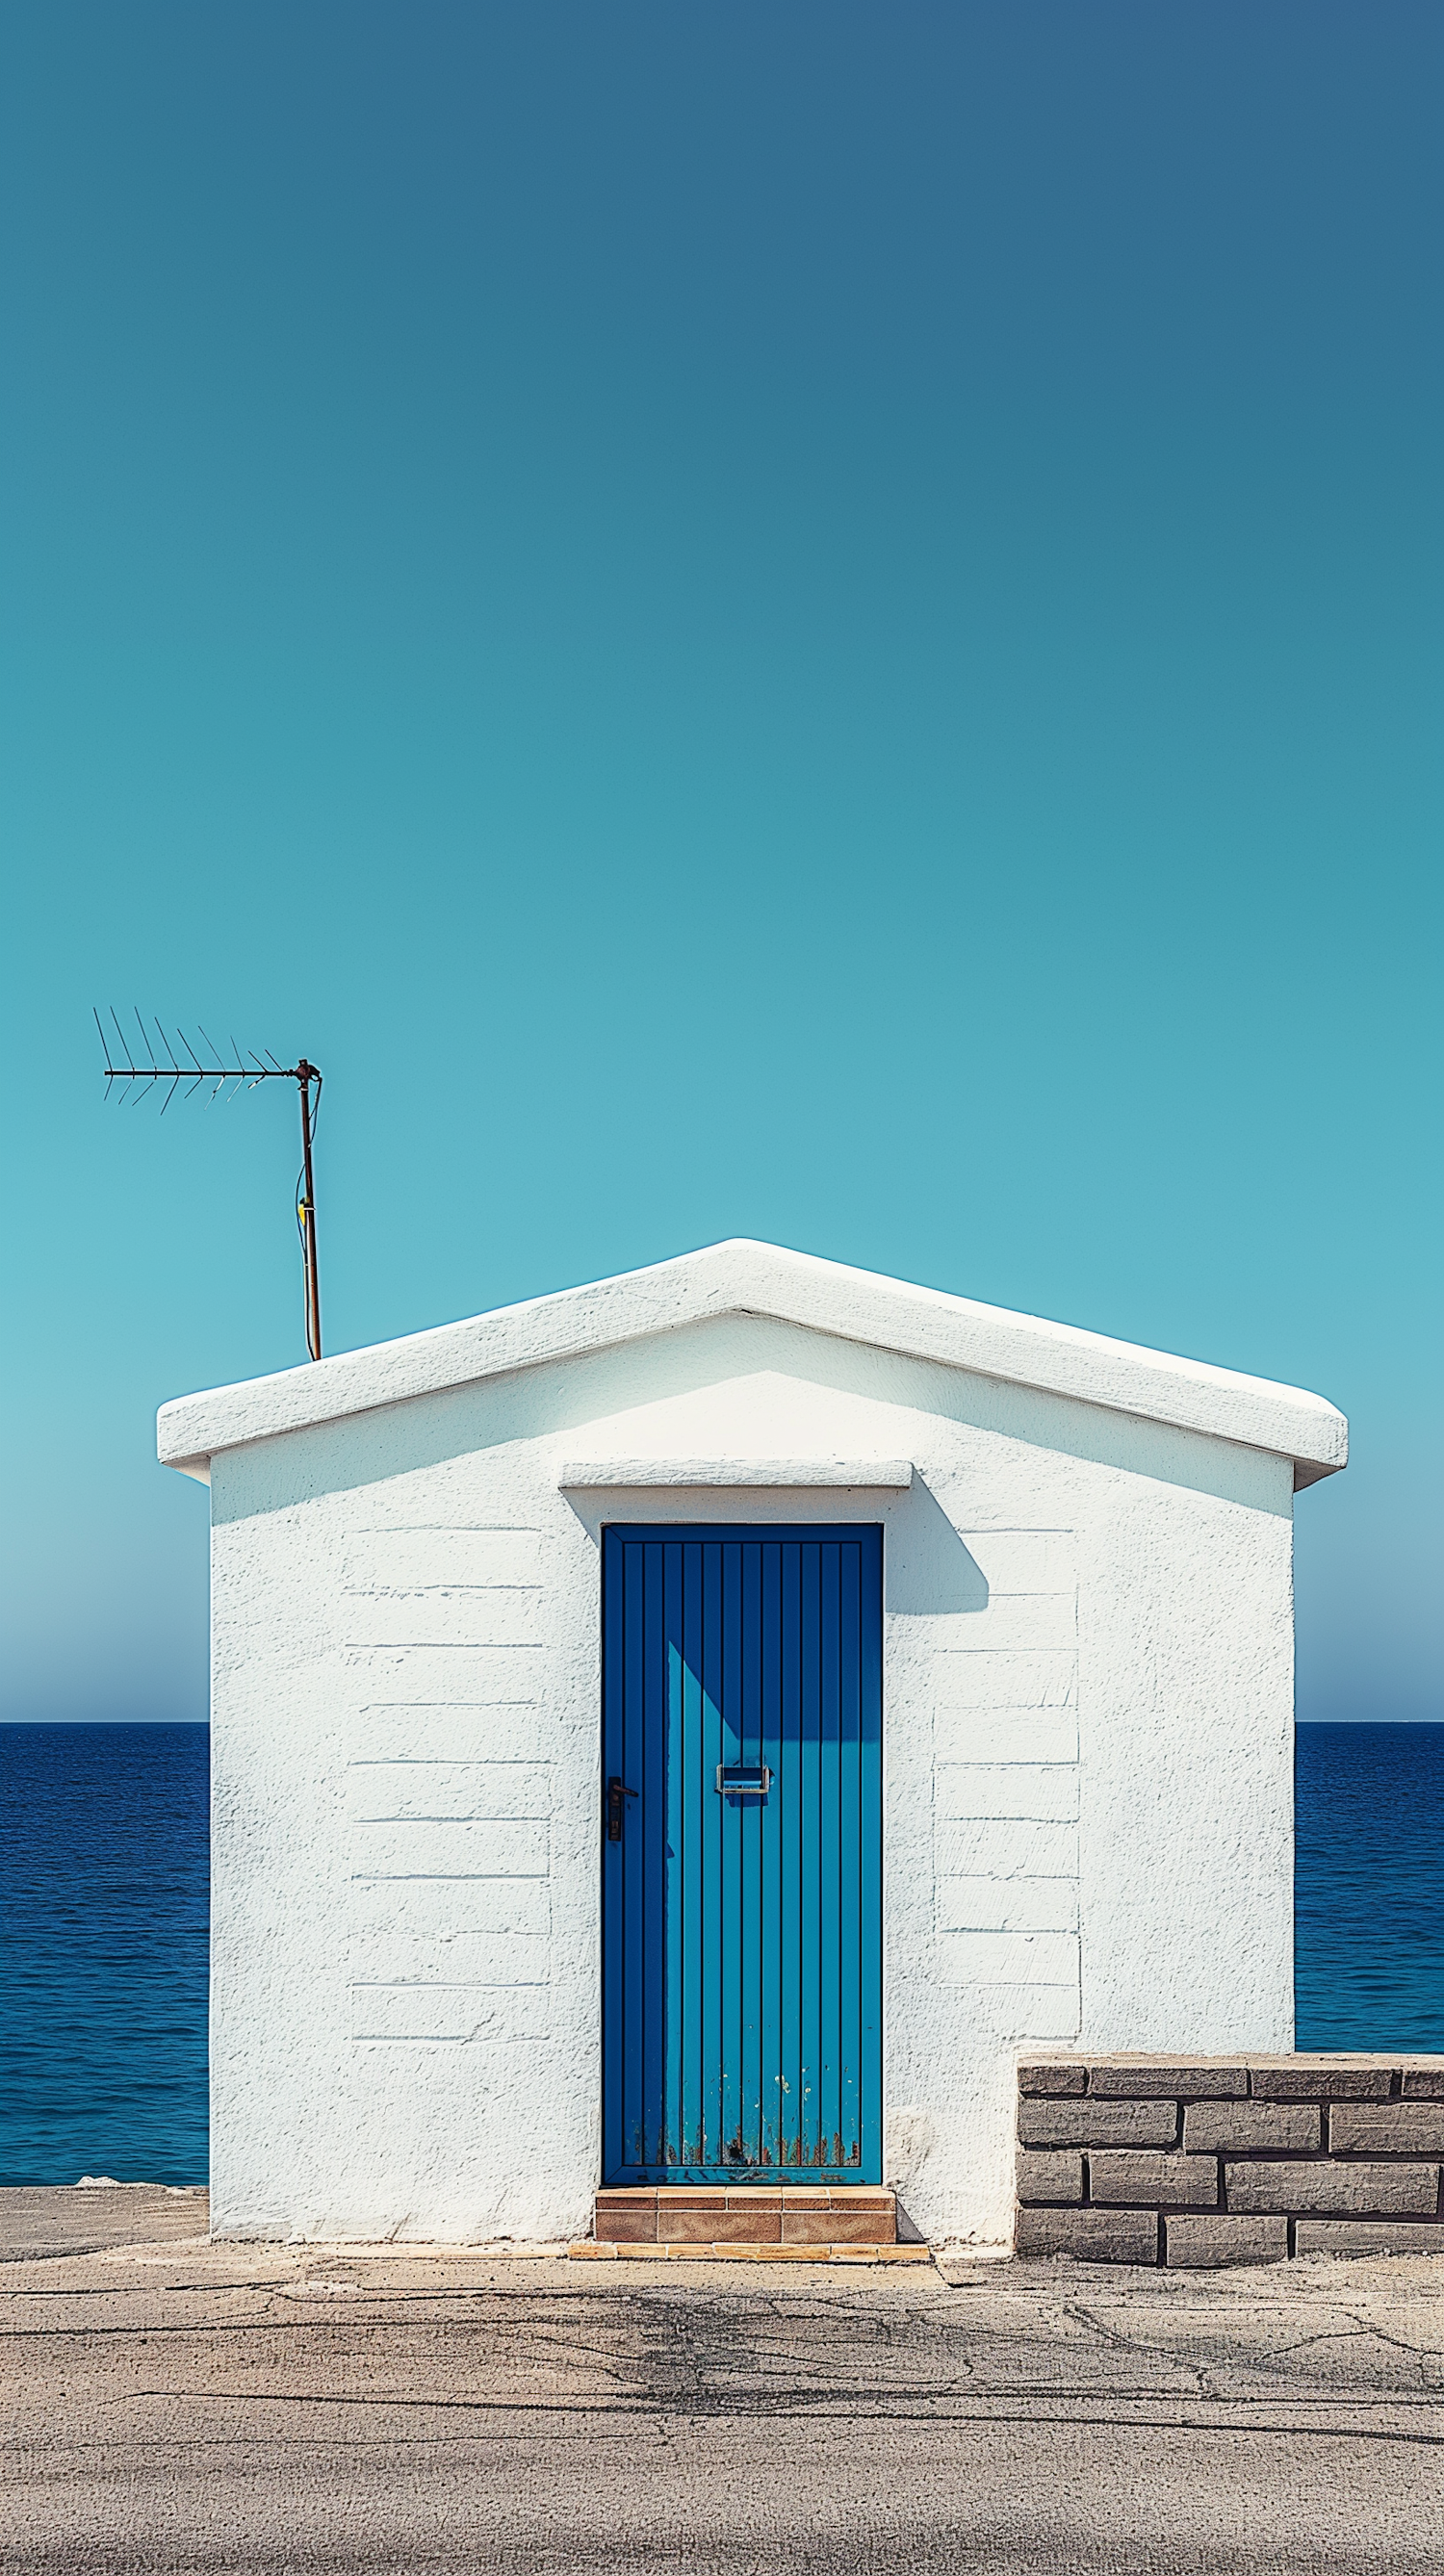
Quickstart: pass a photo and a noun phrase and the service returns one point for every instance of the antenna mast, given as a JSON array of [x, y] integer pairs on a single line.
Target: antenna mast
[[306, 1074], [160, 1061]]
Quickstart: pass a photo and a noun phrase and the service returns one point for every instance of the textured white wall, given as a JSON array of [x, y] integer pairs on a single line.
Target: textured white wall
[[1087, 1765]]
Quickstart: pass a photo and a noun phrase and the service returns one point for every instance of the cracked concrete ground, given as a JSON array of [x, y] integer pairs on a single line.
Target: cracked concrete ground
[[176, 2405]]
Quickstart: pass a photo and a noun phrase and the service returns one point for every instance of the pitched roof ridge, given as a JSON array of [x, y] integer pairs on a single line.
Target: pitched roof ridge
[[743, 1276]]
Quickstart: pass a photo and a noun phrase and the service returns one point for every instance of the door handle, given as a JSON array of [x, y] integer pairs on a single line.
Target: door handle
[[616, 1792]]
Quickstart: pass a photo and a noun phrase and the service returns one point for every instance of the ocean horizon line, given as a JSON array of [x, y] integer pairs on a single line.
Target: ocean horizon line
[[1354, 1720]]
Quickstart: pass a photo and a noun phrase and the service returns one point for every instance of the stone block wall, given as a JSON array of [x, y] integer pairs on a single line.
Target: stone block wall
[[1134, 2159]]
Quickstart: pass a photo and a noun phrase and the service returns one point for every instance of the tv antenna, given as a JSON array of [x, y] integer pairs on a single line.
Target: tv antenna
[[173, 1061]]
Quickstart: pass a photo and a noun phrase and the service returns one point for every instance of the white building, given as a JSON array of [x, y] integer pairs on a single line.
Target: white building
[[1017, 1770]]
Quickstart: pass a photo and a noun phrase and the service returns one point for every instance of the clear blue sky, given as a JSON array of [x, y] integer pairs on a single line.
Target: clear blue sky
[[813, 621]]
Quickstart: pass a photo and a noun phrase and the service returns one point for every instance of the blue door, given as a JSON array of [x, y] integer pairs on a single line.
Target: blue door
[[742, 1854]]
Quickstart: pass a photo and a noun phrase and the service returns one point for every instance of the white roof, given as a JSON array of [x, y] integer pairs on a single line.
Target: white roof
[[743, 1278]]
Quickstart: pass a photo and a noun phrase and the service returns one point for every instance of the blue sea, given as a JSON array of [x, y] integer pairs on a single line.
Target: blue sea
[[106, 1894]]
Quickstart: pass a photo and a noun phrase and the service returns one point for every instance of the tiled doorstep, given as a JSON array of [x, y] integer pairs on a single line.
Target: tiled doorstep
[[705, 2215], [684, 2251]]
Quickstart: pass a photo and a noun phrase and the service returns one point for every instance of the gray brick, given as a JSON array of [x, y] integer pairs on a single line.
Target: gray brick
[[1386, 2191], [1049, 2174], [1368, 2236], [1246, 2128], [1057, 2076], [1315, 2079], [1111, 2080], [1209, 2242], [1097, 2124], [1387, 2129], [1123, 2175], [1090, 2235], [1425, 2083]]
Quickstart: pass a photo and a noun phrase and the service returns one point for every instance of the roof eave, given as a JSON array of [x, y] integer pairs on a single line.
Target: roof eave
[[761, 1279]]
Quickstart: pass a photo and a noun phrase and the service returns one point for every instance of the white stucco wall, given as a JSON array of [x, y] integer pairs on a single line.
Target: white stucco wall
[[1087, 1764]]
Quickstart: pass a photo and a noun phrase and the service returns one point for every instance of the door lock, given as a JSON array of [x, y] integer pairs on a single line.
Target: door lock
[[616, 1792]]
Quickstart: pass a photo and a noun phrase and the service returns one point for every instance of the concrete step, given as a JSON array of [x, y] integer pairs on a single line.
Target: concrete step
[[781, 2223], [588, 2250]]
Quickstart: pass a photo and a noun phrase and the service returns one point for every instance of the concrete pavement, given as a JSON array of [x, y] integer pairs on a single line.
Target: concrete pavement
[[179, 2406]]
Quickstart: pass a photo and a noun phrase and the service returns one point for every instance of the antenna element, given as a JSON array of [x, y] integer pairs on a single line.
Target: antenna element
[[158, 1060]]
